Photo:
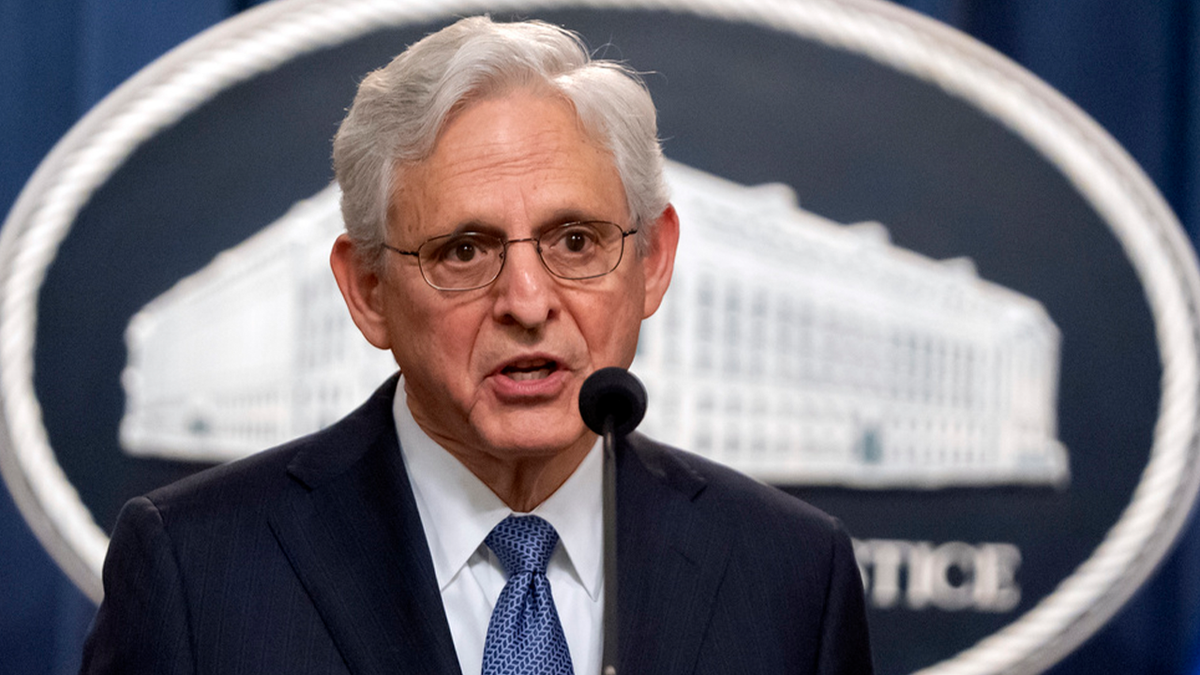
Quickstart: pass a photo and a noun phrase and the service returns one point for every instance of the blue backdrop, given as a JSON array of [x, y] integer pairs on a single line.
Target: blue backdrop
[[1132, 66]]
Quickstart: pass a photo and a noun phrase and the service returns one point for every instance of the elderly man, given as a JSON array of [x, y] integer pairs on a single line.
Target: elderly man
[[508, 229]]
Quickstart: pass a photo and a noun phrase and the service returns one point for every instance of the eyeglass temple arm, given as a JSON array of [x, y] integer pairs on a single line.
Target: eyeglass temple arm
[[396, 250]]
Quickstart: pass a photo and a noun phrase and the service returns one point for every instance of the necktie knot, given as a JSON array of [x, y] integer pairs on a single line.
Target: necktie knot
[[524, 636], [523, 544]]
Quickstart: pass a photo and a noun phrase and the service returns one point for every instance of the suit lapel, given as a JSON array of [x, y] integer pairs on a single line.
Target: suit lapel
[[670, 561], [351, 531]]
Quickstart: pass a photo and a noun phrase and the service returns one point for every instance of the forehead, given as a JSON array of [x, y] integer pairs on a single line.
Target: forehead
[[514, 162]]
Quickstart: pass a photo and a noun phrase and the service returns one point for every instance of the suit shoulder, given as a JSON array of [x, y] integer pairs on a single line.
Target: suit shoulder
[[245, 485], [259, 478], [731, 492]]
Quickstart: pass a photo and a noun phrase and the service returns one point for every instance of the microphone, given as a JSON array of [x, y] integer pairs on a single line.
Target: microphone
[[612, 395], [612, 402]]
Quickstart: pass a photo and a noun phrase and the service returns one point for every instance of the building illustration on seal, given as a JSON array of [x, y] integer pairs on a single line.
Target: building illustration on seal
[[790, 347]]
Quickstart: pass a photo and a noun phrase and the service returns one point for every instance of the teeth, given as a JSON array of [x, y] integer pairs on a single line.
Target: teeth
[[521, 376], [530, 370]]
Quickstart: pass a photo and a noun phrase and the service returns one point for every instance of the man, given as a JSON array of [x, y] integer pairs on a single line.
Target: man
[[507, 230]]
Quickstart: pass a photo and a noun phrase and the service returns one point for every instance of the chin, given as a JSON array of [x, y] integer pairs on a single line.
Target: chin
[[537, 436]]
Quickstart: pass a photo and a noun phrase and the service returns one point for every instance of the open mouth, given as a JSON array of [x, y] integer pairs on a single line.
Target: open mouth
[[529, 370]]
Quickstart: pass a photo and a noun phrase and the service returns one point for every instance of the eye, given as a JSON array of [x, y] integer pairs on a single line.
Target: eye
[[576, 242], [575, 238], [464, 249]]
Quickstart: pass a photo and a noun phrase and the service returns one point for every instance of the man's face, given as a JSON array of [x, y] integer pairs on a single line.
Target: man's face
[[497, 370]]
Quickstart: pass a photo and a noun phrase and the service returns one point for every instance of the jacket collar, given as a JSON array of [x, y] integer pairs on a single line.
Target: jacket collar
[[671, 559], [351, 529]]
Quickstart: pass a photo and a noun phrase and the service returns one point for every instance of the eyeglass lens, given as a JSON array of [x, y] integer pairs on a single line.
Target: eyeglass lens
[[467, 260]]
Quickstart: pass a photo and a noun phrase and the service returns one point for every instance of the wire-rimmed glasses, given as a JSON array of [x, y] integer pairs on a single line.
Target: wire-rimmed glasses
[[464, 261]]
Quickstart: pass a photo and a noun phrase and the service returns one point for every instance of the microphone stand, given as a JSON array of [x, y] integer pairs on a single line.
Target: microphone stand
[[609, 655], [612, 402]]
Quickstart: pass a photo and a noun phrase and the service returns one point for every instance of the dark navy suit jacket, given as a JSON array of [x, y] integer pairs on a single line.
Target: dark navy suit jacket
[[311, 558]]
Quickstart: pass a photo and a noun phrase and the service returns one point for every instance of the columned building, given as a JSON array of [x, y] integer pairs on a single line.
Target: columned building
[[253, 350], [796, 349], [802, 351]]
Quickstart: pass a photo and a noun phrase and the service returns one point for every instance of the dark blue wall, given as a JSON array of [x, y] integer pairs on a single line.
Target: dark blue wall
[[1132, 66]]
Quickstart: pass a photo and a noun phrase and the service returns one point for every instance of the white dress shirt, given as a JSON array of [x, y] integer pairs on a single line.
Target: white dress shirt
[[458, 511]]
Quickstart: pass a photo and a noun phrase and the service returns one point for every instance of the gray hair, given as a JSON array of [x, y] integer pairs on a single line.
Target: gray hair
[[400, 109]]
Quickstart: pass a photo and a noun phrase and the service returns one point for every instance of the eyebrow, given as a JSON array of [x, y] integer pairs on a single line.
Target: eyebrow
[[558, 218], [478, 227]]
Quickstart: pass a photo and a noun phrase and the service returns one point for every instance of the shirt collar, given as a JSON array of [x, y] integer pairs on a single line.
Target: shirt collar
[[458, 510]]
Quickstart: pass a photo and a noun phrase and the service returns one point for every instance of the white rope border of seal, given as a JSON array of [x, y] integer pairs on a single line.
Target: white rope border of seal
[[263, 38]]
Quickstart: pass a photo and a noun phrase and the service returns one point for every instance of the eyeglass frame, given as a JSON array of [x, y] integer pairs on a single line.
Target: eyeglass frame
[[504, 243]]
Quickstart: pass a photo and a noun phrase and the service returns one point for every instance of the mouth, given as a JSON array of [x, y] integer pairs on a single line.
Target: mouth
[[532, 369]]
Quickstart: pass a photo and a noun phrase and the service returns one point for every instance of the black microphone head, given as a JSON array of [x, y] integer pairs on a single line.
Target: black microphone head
[[612, 392]]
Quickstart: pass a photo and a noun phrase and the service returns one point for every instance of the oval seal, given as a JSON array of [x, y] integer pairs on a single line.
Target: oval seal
[[917, 287]]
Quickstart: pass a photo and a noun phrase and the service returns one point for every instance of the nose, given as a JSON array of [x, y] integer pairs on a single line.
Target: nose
[[526, 294]]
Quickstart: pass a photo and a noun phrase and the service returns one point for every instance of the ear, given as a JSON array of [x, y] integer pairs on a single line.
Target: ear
[[659, 263], [362, 289]]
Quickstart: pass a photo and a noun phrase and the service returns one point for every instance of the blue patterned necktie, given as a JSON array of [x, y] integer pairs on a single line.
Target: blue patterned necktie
[[525, 636]]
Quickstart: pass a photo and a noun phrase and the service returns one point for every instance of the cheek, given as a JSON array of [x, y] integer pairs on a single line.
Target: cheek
[[440, 341], [411, 327], [611, 328]]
